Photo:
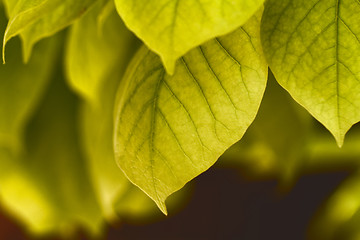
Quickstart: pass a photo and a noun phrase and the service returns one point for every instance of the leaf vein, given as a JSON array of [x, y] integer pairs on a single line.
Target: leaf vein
[[175, 137]]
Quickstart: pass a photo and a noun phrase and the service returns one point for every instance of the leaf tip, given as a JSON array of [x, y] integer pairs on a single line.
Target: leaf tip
[[161, 205], [339, 138], [340, 143], [169, 65], [3, 49], [27, 50], [6, 38]]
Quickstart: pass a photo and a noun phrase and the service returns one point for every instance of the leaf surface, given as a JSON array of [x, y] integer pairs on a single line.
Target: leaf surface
[[47, 186], [21, 88], [94, 68], [274, 146], [95, 47], [36, 19], [313, 48], [173, 27], [169, 129]]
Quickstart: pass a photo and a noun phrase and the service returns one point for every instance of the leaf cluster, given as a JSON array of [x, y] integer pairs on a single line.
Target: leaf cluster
[[82, 104]]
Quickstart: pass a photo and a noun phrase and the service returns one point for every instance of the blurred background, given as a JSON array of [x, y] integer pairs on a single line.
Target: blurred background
[[224, 205]]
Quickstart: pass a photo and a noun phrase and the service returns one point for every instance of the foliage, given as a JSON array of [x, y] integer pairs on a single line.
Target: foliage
[[82, 132]]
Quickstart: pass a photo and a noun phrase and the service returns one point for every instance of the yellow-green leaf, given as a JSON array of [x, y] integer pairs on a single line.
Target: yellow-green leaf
[[169, 129], [21, 88], [47, 186], [97, 136], [313, 48], [173, 27], [97, 130], [93, 52], [275, 144], [94, 68], [36, 19]]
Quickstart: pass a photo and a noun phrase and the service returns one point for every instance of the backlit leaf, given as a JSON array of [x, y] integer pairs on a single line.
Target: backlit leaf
[[275, 144], [173, 27], [36, 19], [169, 129], [97, 135], [47, 186], [94, 68], [313, 48], [93, 52], [21, 88]]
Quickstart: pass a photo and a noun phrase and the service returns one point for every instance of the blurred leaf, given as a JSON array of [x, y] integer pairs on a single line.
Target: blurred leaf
[[325, 156], [135, 206], [275, 144], [22, 87], [172, 27], [169, 129], [339, 217], [118, 197], [94, 69], [97, 134], [93, 52], [36, 19], [313, 49], [47, 186]]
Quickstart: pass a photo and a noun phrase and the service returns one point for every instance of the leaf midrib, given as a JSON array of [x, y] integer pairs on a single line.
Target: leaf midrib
[[337, 12]]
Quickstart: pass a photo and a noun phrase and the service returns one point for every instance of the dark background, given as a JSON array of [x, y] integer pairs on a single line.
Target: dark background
[[224, 205]]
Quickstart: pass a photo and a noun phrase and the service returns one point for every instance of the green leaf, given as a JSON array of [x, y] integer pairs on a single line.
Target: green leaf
[[324, 156], [275, 144], [47, 186], [97, 136], [313, 48], [96, 131], [94, 68], [135, 206], [36, 19], [172, 27], [21, 88], [169, 129], [92, 52]]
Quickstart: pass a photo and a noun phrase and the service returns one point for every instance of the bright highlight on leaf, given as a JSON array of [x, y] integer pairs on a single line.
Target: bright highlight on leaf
[[21, 88], [169, 129], [37, 19], [266, 151], [173, 27], [313, 48], [89, 63], [94, 70], [47, 186]]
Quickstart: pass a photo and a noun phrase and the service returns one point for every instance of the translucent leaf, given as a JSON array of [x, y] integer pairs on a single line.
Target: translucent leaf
[[47, 186], [97, 130], [93, 52], [36, 19], [21, 88], [135, 206], [323, 155], [275, 144], [117, 196], [313, 48], [172, 27], [169, 129], [94, 68], [97, 133]]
